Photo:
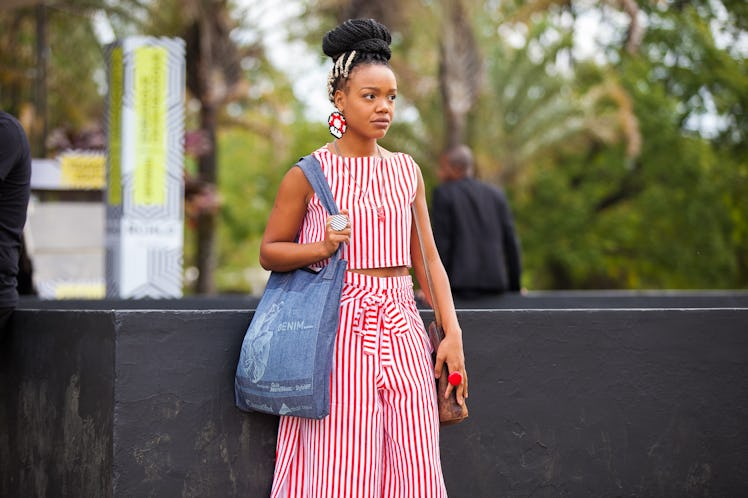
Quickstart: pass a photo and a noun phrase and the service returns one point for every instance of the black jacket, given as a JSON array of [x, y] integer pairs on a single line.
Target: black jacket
[[15, 176], [475, 236]]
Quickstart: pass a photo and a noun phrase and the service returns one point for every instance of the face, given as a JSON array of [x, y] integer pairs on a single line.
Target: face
[[445, 170], [368, 100]]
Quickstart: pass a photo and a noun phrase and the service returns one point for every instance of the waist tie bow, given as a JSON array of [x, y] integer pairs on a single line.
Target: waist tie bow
[[377, 313]]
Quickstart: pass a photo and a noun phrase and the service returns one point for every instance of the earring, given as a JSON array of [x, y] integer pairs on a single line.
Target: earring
[[337, 124]]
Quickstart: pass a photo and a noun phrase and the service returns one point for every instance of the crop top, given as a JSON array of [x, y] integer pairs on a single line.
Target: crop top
[[378, 194]]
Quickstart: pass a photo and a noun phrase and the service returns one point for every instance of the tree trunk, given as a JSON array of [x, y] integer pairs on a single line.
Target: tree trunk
[[206, 222], [42, 56], [455, 133], [460, 71]]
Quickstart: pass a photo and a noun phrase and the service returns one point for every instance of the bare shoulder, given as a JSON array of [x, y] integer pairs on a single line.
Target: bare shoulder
[[295, 185]]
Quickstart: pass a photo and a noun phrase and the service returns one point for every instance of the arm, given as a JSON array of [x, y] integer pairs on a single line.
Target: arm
[[450, 349], [10, 146], [279, 250]]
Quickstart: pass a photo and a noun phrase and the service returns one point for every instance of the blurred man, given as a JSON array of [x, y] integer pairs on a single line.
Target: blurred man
[[473, 230], [15, 187]]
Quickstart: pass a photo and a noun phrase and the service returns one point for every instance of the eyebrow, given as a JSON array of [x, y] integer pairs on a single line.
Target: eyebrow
[[376, 88]]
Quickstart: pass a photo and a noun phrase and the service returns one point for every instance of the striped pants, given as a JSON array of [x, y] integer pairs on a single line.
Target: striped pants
[[381, 438]]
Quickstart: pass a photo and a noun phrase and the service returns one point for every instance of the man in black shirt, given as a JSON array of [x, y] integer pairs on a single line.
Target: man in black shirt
[[15, 187], [473, 230]]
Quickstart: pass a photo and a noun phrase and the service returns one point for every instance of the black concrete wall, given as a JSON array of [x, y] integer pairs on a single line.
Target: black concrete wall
[[177, 432], [56, 405], [603, 403], [530, 300], [579, 403]]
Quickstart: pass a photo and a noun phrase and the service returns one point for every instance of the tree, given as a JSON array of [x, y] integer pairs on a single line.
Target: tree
[[666, 218], [460, 71], [585, 148], [48, 56], [215, 78]]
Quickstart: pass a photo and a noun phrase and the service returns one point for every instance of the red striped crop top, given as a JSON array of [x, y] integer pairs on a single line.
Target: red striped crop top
[[377, 193]]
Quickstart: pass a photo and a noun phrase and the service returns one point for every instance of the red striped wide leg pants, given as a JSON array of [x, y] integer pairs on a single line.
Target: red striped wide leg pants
[[381, 438]]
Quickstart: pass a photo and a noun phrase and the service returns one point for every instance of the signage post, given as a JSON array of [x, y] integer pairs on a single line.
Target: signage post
[[145, 163]]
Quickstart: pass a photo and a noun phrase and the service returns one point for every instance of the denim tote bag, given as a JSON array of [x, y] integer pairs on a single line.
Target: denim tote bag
[[286, 356]]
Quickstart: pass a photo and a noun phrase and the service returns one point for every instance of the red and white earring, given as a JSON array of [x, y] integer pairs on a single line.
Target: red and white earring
[[337, 124]]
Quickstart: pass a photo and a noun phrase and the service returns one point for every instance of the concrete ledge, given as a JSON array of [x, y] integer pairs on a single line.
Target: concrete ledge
[[583, 403], [530, 300]]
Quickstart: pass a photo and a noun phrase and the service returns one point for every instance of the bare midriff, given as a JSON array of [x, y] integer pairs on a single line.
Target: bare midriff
[[394, 271]]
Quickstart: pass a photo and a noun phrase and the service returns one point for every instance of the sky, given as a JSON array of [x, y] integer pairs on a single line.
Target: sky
[[295, 58]]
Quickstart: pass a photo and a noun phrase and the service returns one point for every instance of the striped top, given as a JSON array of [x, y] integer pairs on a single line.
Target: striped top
[[377, 194]]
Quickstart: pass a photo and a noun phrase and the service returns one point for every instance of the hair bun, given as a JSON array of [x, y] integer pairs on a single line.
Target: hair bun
[[376, 45], [362, 35]]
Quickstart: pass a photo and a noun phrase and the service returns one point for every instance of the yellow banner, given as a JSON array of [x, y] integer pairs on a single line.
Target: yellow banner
[[82, 171], [79, 290], [116, 85], [150, 87]]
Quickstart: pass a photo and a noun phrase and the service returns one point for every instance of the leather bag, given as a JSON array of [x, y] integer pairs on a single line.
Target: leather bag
[[450, 412]]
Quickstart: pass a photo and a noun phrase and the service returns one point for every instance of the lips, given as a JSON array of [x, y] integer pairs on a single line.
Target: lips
[[381, 122]]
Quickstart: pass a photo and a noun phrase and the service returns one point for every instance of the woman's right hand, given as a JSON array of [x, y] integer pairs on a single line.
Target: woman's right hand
[[333, 238]]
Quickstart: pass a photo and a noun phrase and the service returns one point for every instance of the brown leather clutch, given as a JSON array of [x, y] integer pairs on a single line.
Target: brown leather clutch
[[450, 412]]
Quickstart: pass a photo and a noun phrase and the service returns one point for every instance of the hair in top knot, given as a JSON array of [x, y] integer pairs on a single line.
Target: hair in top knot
[[354, 42]]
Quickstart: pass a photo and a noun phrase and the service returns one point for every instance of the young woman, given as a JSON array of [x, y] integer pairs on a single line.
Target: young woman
[[382, 435]]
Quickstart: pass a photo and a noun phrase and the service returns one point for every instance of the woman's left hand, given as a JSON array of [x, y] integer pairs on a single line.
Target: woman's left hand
[[451, 352]]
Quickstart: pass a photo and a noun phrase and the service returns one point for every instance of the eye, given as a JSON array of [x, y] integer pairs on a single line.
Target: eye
[[392, 97], [370, 96]]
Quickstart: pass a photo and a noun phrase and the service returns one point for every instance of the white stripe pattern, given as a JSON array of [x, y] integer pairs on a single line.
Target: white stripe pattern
[[381, 438], [362, 185]]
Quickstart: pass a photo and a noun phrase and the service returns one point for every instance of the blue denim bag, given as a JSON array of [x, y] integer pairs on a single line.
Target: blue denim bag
[[286, 356]]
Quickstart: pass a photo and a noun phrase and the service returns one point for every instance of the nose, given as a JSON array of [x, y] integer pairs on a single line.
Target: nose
[[384, 105]]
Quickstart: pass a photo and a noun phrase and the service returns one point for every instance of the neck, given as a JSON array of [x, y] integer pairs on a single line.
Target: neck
[[349, 147], [454, 174]]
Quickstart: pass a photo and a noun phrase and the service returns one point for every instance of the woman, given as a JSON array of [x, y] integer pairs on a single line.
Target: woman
[[382, 435]]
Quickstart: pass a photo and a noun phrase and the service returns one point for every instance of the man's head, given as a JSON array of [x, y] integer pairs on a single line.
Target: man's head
[[456, 163]]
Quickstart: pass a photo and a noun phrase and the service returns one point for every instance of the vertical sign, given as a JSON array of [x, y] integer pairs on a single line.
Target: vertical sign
[[150, 87], [145, 187]]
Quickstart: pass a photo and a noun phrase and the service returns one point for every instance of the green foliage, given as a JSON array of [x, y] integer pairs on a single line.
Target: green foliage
[[613, 175], [611, 186], [251, 170], [75, 69], [594, 208]]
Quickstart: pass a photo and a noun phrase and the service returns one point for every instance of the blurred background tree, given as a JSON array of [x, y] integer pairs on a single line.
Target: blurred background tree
[[617, 128]]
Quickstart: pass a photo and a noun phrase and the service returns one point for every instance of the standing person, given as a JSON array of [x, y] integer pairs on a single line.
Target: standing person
[[15, 188], [474, 230], [382, 435]]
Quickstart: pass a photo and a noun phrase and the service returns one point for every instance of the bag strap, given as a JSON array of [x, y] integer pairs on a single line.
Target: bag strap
[[430, 284], [313, 172]]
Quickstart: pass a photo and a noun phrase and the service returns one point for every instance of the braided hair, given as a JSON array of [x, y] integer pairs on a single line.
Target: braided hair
[[354, 42]]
